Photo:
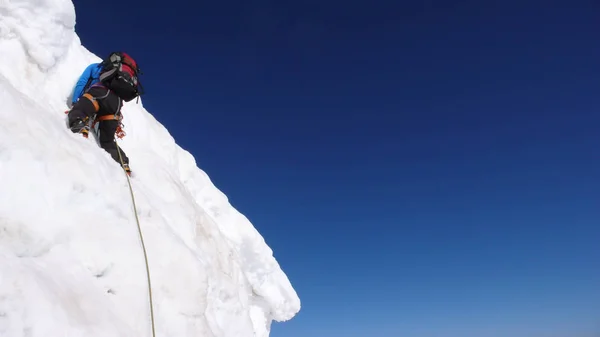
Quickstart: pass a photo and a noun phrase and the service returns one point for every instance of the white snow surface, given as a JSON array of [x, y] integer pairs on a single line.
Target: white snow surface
[[71, 261]]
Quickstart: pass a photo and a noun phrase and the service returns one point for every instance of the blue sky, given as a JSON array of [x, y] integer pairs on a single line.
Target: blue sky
[[420, 169]]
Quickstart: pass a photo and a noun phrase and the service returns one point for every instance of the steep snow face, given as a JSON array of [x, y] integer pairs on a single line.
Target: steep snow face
[[71, 263]]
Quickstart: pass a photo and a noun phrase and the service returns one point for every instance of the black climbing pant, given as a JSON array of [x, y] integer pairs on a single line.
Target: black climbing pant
[[99, 101]]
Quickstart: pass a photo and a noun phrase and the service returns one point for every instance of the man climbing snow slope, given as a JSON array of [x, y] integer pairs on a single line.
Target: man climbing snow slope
[[98, 97]]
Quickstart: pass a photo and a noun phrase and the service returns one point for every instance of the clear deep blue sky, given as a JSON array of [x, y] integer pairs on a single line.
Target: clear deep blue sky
[[419, 168]]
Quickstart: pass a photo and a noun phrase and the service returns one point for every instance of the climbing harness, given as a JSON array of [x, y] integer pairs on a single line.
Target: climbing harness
[[120, 133], [116, 117], [141, 239]]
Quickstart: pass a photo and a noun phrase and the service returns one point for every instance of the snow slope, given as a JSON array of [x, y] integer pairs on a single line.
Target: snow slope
[[71, 263]]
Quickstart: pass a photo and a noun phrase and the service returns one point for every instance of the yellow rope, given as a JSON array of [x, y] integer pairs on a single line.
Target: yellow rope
[[141, 239]]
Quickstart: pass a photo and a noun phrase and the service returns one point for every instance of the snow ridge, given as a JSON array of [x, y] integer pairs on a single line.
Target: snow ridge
[[70, 258]]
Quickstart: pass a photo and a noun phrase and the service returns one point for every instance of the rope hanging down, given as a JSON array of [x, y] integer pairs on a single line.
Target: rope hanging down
[[141, 239]]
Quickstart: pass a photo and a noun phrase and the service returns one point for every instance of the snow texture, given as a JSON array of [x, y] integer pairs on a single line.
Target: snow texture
[[71, 262]]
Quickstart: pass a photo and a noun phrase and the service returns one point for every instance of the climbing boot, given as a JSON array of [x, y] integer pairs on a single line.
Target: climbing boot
[[81, 126], [127, 169]]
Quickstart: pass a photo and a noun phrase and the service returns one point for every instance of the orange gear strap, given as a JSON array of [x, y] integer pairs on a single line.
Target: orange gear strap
[[119, 132], [107, 118], [93, 100]]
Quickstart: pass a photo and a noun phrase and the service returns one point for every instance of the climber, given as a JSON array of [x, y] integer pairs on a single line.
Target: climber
[[98, 97]]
